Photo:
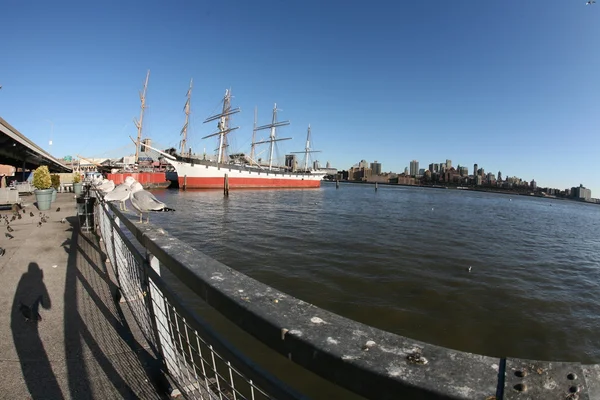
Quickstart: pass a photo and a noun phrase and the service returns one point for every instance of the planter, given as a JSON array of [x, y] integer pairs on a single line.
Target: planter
[[77, 188], [43, 198], [53, 195]]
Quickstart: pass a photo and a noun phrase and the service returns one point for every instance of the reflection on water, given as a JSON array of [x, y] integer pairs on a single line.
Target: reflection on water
[[397, 259]]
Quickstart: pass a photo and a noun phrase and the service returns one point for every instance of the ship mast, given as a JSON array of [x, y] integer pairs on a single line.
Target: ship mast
[[186, 108], [253, 134], [223, 125], [307, 150], [272, 136], [139, 124]]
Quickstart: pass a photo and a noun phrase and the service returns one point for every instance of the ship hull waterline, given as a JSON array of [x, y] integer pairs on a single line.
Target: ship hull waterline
[[206, 176]]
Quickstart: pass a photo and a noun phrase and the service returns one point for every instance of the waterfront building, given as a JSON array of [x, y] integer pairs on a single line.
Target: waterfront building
[[478, 180], [448, 164], [363, 164], [463, 171], [533, 184], [414, 168], [432, 167], [290, 162], [581, 193], [376, 167], [499, 176], [474, 169]]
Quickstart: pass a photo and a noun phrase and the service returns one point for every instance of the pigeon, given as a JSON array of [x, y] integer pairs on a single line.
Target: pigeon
[[30, 214], [8, 228], [13, 218], [19, 216], [28, 313], [40, 224], [62, 221], [24, 212], [2, 251], [58, 209], [9, 236], [144, 201]]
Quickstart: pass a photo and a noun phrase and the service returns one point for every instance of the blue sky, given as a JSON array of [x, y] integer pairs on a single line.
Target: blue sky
[[510, 85]]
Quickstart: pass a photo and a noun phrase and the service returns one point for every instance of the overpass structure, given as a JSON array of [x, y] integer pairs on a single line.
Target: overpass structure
[[18, 151]]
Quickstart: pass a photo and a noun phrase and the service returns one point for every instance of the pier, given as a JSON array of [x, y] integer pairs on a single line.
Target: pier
[[114, 327]]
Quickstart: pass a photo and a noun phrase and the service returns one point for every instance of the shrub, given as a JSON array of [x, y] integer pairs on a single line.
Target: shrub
[[76, 178], [41, 178], [55, 181]]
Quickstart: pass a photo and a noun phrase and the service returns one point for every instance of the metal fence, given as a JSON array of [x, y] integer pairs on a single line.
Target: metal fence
[[197, 360]]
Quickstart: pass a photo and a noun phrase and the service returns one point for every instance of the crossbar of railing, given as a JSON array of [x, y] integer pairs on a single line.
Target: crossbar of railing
[[200, 363], [366, 360]]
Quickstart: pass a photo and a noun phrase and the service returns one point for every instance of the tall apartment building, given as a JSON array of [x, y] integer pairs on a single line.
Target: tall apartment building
[[414, 168], [376, 168]]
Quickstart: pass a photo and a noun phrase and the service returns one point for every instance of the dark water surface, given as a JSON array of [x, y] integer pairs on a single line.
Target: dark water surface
[[397, 259]]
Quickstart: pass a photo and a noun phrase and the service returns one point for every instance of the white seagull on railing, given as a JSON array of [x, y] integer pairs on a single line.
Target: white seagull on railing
[[144, 201], [121, 193]]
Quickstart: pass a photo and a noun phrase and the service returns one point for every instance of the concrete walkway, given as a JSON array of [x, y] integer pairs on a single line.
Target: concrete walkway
[[86, 346]]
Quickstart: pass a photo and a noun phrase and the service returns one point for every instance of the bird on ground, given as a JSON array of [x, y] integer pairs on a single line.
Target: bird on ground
[[121, 193], [62, 221], [9, 236], [469, 269], [144, 201], [58, 209], [13, 218], [19, 216], [28, 313], [8, 228], [39, 224], [2, 251], [31, 214], [24, 212]]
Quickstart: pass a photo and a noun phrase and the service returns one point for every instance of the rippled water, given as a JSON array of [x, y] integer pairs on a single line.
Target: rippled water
[[397, 259]]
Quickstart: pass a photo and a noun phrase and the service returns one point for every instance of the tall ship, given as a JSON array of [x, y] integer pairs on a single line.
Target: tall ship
[[242, 170], [151, 174]]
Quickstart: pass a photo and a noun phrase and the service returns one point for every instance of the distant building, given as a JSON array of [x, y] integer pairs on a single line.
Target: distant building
[[316, 165], [499, 176], [474, 169], [478, 180], [421, 171], [581, 193], [376, 167], [463, 171], [414, 168], [328, 165], [290, 162], [448, 164], [432, 167], [406, 171], [363, 164], [490, 177], [533, 184]]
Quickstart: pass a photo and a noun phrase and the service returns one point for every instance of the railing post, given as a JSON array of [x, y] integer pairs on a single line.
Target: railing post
[[161, 321]]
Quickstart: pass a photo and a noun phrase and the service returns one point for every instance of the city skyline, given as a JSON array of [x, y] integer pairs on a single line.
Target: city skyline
[[387, 81]]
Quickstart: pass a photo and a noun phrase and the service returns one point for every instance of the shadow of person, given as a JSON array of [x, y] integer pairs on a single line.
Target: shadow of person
[[25, 319]]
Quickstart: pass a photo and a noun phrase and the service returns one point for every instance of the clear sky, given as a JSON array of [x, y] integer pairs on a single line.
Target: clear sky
[[510, 85]]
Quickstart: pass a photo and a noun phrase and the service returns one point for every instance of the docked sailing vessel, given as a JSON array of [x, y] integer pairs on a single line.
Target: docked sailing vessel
[[242, 170], [150, 176]]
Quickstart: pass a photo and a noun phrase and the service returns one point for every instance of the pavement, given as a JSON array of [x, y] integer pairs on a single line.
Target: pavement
[[86, 346]]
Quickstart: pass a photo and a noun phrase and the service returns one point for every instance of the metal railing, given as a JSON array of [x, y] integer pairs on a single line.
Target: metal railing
[[198, 361], [368, 361]]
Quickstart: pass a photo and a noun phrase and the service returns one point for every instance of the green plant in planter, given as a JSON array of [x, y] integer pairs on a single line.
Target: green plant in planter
[[55, 181], [76, 178], [41, 178]]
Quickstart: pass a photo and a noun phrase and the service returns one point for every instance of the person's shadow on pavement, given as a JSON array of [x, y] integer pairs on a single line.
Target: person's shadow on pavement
[[25, 319]]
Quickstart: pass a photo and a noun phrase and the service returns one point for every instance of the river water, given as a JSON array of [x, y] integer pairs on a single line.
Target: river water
[[398, 259]]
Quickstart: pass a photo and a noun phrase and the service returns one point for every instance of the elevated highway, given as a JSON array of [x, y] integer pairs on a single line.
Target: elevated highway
[[18, 151]]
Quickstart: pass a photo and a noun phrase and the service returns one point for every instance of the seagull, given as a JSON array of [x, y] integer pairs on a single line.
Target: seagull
[[144, 201], [469, 269], [106, 186], [121, 193]]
